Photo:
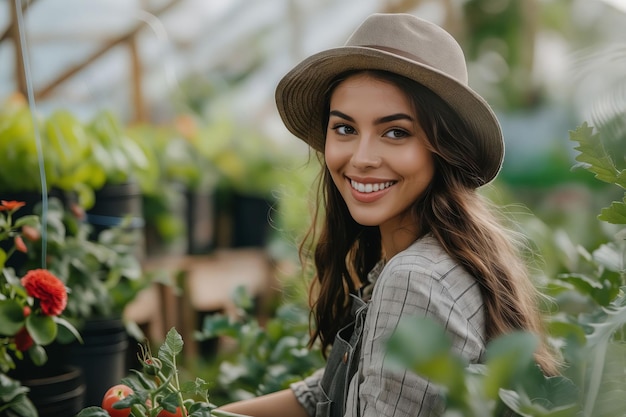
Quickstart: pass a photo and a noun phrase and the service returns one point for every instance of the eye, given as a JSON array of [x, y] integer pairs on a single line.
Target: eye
[[396, 133], [344, 129]]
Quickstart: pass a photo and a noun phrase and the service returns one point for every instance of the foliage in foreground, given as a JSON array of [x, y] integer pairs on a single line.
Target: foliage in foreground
[[157, 387], [587, 326], [268, 357]]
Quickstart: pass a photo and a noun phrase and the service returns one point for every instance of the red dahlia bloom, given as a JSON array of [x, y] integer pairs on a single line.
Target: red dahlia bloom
[[23, 341], [51, 292], [11, 205]]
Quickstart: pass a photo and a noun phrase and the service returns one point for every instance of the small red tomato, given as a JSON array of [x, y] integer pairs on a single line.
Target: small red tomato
[[113, 395], [165, 413]]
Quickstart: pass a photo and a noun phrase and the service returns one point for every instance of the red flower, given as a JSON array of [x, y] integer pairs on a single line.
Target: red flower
[[11, 205], [19, 244], [51, 292], [23, 341]]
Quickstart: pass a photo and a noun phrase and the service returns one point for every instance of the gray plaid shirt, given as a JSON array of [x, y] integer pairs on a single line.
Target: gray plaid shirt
[[419, 281]]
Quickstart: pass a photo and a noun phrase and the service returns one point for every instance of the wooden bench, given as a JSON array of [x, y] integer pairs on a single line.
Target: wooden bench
[[200, 284]]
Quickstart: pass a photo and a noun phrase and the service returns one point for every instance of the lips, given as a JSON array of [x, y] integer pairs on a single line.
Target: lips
[[370, 191]]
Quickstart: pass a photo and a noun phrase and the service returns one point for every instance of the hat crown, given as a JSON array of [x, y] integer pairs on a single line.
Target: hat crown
[[415, 39]]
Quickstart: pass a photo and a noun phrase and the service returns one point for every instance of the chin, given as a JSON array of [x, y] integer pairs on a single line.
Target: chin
[[366, 221]]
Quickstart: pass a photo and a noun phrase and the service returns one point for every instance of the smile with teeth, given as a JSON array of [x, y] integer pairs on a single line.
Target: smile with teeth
[[370, 188]]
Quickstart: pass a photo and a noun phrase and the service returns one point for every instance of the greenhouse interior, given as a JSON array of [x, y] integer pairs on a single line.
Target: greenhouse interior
[[166, 200]]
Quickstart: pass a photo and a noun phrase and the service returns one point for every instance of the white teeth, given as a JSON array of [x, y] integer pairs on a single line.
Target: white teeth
[[369, 188]]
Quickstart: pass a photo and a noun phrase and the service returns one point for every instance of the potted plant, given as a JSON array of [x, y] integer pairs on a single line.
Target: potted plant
[[176, 198], [252, 168], [103, 276], [30, 317], [65, 148], [119, 166]]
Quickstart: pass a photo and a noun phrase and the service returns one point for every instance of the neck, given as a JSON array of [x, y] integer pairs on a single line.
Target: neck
[[397, 238]]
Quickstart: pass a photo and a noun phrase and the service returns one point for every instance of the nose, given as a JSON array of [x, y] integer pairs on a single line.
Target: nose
[[365, 153]]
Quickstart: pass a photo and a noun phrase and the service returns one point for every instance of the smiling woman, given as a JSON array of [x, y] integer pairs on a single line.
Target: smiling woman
[[406, 144]]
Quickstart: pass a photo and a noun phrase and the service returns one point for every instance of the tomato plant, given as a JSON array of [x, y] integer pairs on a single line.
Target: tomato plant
[[113, 395]]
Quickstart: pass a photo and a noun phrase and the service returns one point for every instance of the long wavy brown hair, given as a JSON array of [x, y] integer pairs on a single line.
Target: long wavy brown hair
[[451, 210]]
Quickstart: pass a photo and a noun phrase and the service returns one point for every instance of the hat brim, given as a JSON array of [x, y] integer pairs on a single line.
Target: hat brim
[[300, 97]]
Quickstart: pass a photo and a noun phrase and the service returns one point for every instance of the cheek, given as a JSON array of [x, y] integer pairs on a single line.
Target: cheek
[[333, 156], [334, 163], [418, 166]]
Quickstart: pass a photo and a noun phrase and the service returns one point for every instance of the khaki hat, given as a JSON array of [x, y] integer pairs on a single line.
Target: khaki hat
[[402, 44]]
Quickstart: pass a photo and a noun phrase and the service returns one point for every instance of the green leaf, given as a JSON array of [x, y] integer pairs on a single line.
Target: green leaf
[[423, 345], [197, 387], [10, 388], [522, 405], [11, 317], [611, 256], [29, 220], [42, 329], [615, 213], [68, 326], [218, 325], [593, 155], [507, 358], [600, 360], [171, 348], [38, 355]]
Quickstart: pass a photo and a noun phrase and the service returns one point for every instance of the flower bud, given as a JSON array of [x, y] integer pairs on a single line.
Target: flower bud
[[19, 244], [23, 341], [30, 233]]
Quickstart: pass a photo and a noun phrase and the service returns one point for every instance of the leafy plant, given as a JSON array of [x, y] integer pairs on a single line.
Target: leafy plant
[[66, 147], [586, 323], [30, 311], [176, 167], [507, 378], [268, 356], [103, 276], [115, 159], [157, 387]]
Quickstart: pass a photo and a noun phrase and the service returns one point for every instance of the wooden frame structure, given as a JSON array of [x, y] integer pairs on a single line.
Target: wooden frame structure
[[128, 39]]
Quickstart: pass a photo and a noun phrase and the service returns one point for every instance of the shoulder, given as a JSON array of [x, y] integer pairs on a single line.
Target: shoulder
[[425, 252], [428, 282], [425, 273], [426, 258]]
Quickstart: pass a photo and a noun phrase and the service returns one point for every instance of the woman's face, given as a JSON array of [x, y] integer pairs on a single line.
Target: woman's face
[[376, 152]]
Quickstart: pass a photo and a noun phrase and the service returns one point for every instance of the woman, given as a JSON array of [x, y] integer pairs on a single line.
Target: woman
[[405, 145]]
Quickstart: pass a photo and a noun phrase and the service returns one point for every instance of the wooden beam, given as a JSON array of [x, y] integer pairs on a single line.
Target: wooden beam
[[45, 91], [14, 33], [12, 26], [137, 84]]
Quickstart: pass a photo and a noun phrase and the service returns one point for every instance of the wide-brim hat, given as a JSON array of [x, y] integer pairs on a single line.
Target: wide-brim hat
[[403, 44]]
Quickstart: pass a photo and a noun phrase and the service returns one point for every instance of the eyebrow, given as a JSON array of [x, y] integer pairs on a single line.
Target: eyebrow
[[384, 119]]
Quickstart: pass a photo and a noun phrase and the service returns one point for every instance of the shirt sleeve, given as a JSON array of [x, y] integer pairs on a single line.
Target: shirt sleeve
[[391, 392], [308, 391]]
